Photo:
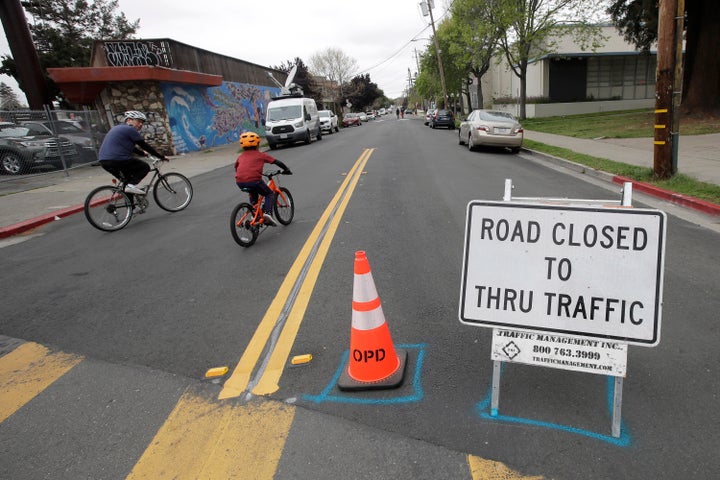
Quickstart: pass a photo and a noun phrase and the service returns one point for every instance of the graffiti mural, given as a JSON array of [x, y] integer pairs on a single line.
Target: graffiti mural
[[202, 117], [134, 53]]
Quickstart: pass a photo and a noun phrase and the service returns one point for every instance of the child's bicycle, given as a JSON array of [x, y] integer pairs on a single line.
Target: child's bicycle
[[109, 208], [246, 221]]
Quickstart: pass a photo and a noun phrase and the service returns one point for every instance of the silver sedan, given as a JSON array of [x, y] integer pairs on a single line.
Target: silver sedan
[[491, 128]]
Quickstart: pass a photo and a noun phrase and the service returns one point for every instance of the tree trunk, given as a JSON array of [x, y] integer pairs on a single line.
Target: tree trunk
[[481, 100], [701, 79], [523, 89]]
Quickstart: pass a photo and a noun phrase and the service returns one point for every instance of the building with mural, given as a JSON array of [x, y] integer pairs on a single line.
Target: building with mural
[[193, 98]]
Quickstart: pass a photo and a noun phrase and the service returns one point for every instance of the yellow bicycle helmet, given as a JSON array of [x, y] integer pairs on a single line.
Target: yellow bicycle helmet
[[249, 139]]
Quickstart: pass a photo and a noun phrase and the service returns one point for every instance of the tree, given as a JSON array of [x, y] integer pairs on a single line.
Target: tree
[[8, 99], [335, 65], [473, 40], [638, 21], [531, 29], [63, 32], [362, 92]]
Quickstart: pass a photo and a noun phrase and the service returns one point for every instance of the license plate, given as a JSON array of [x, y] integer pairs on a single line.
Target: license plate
[[502, 131], [283, 135]]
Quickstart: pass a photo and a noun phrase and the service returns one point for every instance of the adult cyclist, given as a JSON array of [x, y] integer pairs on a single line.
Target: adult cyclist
[[120, 148]]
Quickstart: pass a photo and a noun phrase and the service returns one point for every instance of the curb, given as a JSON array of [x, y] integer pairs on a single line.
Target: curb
[[26, 225], [672, 197]]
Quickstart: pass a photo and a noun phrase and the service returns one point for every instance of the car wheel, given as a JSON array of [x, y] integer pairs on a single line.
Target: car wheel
[[470, 144], [337, 129], [515, 149], [272, 146], [12, 164], [307, 138]]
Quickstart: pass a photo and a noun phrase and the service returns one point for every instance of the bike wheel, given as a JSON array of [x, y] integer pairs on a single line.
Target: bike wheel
[[108, 208], [284, 206], [242, 231], [173, 192]]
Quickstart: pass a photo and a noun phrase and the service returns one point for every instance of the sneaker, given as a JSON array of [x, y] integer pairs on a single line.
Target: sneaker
[[268, 220], [130, 188]]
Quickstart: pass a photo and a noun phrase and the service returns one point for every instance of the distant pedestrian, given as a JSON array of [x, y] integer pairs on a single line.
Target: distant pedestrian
[[397, 112]]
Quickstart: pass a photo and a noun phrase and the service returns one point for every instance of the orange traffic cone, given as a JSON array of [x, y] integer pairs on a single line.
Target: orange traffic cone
[[374, 362]]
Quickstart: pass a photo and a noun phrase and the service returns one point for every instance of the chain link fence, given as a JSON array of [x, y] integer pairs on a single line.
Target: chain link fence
[[35, 142]]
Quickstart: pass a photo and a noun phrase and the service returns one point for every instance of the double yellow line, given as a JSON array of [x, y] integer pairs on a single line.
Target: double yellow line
[[291, 301]]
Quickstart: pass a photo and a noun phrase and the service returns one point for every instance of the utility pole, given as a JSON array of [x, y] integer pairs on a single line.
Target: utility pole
[[665, 105], [678, 83], [427, 6], [30, 74]]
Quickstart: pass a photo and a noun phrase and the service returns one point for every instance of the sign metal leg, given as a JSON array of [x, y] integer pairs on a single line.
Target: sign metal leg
[[495, 399], [617, 407]]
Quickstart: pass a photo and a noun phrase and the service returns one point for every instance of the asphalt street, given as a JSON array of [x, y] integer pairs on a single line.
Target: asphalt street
[[132, 321]]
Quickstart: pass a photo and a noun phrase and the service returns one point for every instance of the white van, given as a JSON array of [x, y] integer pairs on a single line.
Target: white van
[[290, 120]]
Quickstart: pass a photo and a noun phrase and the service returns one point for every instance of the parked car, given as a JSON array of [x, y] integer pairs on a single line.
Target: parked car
[[87, 142], [492, 128], [443, 118], [328, 121], [363, 116], [428, 115], [351, 119], [20, 149], [370, 115]]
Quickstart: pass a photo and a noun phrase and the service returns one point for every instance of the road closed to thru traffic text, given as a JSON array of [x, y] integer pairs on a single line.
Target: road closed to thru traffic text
[[589, 271]]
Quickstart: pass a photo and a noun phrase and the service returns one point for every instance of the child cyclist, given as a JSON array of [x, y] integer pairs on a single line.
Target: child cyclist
[[248, 173]]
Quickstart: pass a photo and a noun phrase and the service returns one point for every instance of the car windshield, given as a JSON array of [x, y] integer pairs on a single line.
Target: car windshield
[[65, 127], [284, 113], [324, 113], [13, 131]]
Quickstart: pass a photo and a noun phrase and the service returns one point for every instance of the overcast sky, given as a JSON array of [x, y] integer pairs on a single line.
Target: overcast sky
[[376, 33]]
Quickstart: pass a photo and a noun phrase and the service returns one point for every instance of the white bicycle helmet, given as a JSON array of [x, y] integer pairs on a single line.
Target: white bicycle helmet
[[136, 115]]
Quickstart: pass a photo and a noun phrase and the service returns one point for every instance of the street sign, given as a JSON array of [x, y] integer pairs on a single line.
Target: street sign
[[566, 269], [580, 354]]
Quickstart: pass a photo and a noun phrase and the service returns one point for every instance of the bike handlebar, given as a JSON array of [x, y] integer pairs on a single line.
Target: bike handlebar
[[269, 175]]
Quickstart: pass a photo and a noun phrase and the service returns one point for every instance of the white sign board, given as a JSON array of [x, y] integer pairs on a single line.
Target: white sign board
[[577, 270], [581, 354]]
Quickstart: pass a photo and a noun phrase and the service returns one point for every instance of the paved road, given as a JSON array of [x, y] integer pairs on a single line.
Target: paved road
[[123, 392]]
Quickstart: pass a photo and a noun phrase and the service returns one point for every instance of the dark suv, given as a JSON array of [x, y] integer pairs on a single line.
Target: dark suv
[[21, 149], [443, 118]]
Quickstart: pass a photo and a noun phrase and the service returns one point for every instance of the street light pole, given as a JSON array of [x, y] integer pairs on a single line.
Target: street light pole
[[427, 6]]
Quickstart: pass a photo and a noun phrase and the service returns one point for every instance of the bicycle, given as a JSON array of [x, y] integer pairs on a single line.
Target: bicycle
[[246, 221], [110, 208]]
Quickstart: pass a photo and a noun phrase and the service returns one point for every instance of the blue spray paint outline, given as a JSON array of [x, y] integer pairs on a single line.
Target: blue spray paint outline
[[416, 396], [624, 440]]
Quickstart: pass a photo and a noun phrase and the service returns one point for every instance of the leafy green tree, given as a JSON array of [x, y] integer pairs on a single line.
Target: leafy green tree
[[362, 92], [531, 27], [638, 21], [63, 32], [8, 98], [473, 40]]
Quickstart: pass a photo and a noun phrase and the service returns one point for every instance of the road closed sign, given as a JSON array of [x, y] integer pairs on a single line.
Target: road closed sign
[[578, 270]]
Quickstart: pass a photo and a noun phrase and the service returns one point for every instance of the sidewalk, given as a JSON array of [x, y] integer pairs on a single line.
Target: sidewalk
[[697, 157], [28, 203]]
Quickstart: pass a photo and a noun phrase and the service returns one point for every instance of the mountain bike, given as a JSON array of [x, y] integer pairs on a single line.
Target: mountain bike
[[246, 221], [110, 208]]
